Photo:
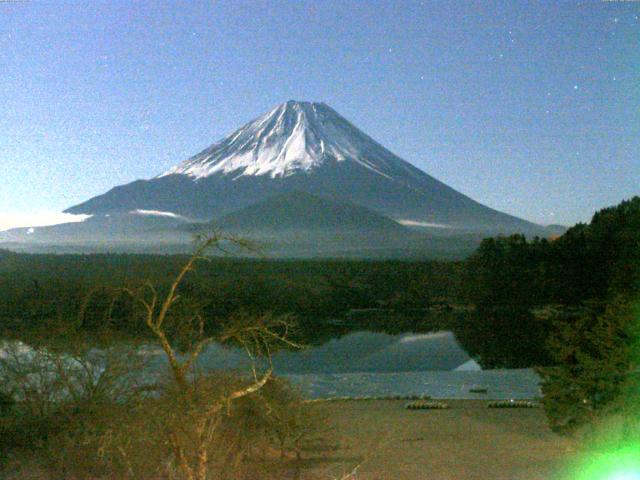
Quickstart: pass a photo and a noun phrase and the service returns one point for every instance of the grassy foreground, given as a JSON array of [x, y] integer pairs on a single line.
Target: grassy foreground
[[467, 441]]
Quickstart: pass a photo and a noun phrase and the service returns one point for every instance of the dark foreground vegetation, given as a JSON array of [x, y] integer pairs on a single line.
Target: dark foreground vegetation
[[52, 294], [574, 302], [82, 412], [566, 306]]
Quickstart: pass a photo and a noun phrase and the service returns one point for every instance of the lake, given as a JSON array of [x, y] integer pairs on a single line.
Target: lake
[[500, 384], [377, 364], [372, 364]]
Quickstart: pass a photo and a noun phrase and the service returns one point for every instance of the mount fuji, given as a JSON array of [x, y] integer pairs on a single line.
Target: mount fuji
[[303, 147], [301, 179]]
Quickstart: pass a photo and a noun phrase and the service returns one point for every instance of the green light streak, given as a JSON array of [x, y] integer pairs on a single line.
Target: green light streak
[[620, 464], [614, 451]]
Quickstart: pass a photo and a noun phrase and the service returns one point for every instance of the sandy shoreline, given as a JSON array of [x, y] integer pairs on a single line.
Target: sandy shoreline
[[382, 440], [468, 441]]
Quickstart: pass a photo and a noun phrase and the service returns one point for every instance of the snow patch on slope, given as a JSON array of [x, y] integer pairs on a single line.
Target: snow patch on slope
[[416, 223], [156, 213]]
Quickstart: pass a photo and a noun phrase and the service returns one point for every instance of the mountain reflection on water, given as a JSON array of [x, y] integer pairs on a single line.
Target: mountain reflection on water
[[372, 364], [361, 351]]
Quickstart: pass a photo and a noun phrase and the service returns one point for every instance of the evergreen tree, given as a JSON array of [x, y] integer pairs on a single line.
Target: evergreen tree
[[594, 361]]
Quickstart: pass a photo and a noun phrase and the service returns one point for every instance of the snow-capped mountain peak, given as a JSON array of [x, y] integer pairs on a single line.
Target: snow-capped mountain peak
[[293, 137], [304, 147]]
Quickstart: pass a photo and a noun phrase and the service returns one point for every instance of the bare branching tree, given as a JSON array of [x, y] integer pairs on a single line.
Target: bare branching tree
[[109, 414], [204, 400]]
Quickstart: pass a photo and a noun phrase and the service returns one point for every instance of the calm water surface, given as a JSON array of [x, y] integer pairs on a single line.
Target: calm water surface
[[378, 364], [364, 364]]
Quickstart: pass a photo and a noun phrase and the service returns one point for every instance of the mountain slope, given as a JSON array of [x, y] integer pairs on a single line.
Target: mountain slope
[[300, 211], [140, 227], [307, 147], [298, 224]]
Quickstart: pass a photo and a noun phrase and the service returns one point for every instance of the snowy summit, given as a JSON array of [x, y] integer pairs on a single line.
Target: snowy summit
[[293, 137]]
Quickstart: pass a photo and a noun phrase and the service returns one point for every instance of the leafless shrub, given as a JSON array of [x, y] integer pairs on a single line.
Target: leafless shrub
[[62, 401], [105, 418]]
